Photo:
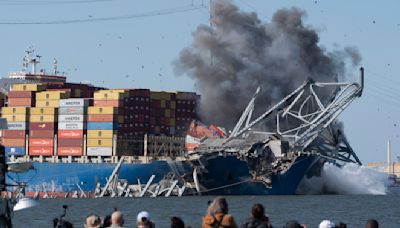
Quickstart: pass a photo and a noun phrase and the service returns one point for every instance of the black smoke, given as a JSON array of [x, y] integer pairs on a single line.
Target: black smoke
[[229, 60]]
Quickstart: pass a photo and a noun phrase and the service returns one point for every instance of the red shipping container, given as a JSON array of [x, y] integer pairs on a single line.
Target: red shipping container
[[102, 118], [108, 103], [42, 126], [70, 142], [15, 134], [44, 151], [13, 142], [41, 133], [69, 151], [44, 142], [70, 134], [21, 102], [21, 94]]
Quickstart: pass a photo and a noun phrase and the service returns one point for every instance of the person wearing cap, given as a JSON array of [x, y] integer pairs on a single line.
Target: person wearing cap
[[326, 224], [143, 220], [92, 221], [217, 215], [117, 220]]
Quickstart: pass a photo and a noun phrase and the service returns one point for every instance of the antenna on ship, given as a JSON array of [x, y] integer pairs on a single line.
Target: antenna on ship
[[29, 59]]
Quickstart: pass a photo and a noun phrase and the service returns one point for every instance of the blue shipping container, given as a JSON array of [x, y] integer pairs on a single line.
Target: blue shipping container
[[18, 151], [102, 126]]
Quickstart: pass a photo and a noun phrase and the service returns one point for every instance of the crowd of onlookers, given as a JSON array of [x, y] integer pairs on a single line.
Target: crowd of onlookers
[[217, 216]]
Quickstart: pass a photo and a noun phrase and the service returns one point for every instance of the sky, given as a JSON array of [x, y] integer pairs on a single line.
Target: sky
[[133, 44]]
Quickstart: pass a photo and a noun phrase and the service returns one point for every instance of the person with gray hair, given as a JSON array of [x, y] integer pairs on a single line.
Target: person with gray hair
[[217, 215]]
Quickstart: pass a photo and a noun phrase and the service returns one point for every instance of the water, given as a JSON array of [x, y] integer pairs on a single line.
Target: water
[[354, 210]]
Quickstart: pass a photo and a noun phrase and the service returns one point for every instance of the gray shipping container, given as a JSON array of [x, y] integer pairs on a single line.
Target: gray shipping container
[[99, 151], [71, 126], [17, 125], [71, 118], [74, 102], [72, 111]]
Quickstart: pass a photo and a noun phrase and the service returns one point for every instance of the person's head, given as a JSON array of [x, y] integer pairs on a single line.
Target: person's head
[[92, 221], [293, 224], [117, 218], [372, 223], [257, 211], [326, 224], [61, 224], [341, 225], [143, 219], [177, 222], [218, 205]]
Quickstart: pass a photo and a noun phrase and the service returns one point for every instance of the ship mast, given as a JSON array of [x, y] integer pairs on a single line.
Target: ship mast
[[30, 59]]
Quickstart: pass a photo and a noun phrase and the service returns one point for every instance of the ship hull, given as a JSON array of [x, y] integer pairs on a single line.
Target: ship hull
[[230, 176], [64, 177], [224, 176]]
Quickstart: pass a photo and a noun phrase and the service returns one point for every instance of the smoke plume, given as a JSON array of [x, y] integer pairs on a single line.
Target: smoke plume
[[229, 60]]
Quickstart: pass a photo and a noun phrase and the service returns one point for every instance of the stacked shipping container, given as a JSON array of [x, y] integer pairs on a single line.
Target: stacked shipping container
[[43, 127], [20, 99], [162, 115], [103, 121], [24, 94], [136, 122], [186, 103], [13, 138], [116, 123], [72, 126]]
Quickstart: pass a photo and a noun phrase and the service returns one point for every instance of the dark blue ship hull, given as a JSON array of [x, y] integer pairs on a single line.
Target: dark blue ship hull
[[230, 176], [225, 176]]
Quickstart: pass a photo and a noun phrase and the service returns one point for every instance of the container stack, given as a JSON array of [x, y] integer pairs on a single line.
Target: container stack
[[3, 98], [136, 122], [43, 127], [162, 114], [13, 139], [186, 103], [72, 126], [50, 98], [103, 120], [23, 95]]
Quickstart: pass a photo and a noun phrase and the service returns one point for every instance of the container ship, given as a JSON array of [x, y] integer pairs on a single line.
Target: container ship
[[74, 133], [77, 136]]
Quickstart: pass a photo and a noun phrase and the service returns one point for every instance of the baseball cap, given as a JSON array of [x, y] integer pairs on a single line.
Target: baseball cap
[[143, 214], [326, 224]]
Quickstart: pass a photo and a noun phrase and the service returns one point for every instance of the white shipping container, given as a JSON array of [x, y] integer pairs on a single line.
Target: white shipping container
[[99, 151], [71, 126], [71, 118], [17, 125], [76, 102], [71, 111]]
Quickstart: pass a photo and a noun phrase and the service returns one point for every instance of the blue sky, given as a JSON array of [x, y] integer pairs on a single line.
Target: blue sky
[[138, 52]]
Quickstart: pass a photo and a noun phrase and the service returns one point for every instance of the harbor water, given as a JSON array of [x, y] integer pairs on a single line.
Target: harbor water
[[354, 210]]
